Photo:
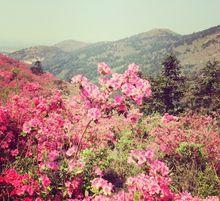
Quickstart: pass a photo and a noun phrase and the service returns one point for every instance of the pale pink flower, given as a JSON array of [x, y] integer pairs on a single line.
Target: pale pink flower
[[78, 79], [73, 164], [94, 113], [98, 171], [71, 151], [116, 81], [168, 117], [100, 183], [133, 69], [140, 157], [134, 116], [158, 167], [128, 89], [38, 199], [30, 125], [104, 69]]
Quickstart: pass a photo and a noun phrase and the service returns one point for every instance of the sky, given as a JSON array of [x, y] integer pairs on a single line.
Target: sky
[[51, 21]]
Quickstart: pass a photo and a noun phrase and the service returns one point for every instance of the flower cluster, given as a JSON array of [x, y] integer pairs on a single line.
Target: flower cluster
[[102, 184], [8, 136], [168, 117], [22, 184], [123, 86], [104, 69], [190, 129], [154, 184], [74, 188], [140, 157], [8, 61]]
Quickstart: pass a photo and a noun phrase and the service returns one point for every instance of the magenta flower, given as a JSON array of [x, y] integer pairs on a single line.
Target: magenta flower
[[53, 155], [14, 152], [45, 181]]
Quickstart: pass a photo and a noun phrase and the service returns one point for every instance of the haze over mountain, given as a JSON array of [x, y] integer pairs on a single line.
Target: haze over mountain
[[70, 45], [9, 47], [147, 49]]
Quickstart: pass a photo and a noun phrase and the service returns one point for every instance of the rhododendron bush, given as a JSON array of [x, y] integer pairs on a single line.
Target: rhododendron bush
[[189, 130], [54, 148]]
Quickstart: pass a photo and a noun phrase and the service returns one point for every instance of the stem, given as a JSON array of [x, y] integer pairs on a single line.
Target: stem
[[4, 138], [80, 141]]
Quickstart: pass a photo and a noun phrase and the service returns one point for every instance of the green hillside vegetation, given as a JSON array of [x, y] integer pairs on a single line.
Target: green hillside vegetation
[[146, 49]]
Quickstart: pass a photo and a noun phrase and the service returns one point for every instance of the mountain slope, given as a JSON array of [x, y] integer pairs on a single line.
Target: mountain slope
[[147, 49], [196, 49], [16, 76], [42, 53], [118, 54]]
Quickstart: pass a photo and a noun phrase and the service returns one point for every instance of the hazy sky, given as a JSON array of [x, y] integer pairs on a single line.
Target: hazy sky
[[49, 21]]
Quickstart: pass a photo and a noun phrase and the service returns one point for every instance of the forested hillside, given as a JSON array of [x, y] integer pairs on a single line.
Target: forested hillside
[[146, 49]]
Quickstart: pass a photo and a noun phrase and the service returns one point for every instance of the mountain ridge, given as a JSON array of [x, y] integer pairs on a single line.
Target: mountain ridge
[[70, 45], [146, 49]]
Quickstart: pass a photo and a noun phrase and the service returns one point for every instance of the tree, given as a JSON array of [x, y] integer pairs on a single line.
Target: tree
[[36, 68], [206, 93], [172, 91], [167, 88]]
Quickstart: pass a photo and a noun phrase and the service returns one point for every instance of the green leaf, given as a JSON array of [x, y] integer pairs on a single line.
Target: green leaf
[[23, 134]]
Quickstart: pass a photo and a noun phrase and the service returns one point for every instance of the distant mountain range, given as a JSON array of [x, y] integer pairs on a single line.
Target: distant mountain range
[[147, 49]]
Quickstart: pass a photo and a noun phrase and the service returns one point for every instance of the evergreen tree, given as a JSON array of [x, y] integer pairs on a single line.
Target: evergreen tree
[[172, 91], [167, 88], [206, 93], [36, 68]]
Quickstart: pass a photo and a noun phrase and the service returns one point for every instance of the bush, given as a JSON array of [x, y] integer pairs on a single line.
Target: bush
[[96, 145]]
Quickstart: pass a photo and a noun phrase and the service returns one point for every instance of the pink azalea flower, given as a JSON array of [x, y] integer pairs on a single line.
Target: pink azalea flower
[[104, 69], [158, 167], [78, 79], [94, 113], [168, 117], [45, 181], [14, 152], [38, 199], [134, 116], [98, 171], [103, 184], [118, 99], [140, 157], [53, 155], [71, 151]]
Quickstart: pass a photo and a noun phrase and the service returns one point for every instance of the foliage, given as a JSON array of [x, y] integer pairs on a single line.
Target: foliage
[[190, 145], [146, 49], [205, 92], [37, 68], [175, 94]]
